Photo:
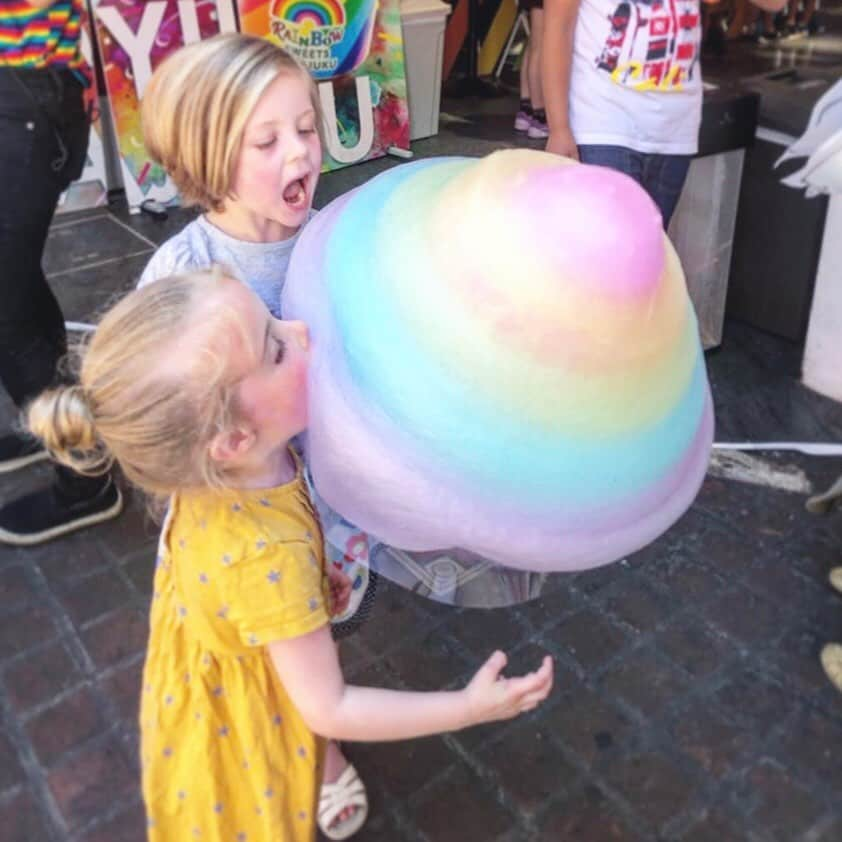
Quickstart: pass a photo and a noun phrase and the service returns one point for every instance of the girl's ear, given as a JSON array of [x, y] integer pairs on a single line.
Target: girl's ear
[[231, 445]]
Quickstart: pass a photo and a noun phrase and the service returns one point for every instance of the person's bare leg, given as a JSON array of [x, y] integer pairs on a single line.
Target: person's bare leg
[[524, 70], [768, 23], [335, 764], [536, 26], [538, 129], [738, 20], [523, 117]]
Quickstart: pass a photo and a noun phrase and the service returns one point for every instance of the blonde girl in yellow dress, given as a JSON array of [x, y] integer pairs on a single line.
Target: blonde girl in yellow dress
[[195, 390], [235, 121]]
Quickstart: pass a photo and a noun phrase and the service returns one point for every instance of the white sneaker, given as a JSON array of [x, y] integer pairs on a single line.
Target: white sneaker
[[522, 121], [538, 129]]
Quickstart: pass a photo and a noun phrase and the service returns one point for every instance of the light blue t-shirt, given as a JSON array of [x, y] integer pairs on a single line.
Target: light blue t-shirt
[[200, 244]]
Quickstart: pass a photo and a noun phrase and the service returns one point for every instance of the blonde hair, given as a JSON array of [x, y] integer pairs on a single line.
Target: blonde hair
[[196, 106], [140, 400]]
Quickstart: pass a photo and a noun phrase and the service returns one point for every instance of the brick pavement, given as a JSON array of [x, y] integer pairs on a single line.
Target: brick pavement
[[690, 704]]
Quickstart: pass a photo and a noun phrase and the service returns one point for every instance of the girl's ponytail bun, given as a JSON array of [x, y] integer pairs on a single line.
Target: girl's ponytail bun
[[63, 420]]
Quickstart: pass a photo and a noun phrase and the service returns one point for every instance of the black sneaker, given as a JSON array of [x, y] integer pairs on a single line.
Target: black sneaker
[[816, 25], [18, 451], [792, 32], [47, 514]]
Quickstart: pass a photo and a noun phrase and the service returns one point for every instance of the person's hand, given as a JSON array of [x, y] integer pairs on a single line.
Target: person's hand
[[340, 590], [562, 142], [491, 696]]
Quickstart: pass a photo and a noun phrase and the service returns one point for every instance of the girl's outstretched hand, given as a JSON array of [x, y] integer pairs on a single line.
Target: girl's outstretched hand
[[491, 696]]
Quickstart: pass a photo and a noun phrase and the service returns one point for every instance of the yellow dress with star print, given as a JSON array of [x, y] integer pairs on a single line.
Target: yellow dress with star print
[[225, 755]]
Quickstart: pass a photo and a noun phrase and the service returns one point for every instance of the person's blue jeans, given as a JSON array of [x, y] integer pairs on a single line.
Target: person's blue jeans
[[661, 176]]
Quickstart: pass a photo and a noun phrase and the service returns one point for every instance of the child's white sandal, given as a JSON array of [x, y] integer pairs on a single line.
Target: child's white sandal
[[346, 791]]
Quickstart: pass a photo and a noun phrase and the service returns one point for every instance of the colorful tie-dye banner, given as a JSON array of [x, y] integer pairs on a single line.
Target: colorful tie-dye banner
[[90, 190], [134, 36], [354, 49]]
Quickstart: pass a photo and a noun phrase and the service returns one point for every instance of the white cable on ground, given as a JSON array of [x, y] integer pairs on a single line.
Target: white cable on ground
[[79, 327], [810, 448]]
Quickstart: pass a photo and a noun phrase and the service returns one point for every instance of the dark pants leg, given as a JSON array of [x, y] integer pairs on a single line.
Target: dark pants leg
[[619, 158], [663, 179], [662, 176], [43, 144]]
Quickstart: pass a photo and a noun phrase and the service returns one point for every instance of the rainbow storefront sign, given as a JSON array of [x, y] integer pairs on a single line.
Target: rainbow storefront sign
[[330, 37], [354, 50]]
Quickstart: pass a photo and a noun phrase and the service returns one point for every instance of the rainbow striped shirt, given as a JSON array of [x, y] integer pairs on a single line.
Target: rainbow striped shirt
[[49, 37]]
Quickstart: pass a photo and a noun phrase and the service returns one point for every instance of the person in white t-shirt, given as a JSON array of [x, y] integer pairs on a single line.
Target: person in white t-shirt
[[623, 87]]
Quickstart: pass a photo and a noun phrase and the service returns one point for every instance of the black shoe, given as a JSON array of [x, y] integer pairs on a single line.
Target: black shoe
[[18, 451], [47, 514], [815, 26], [716, 42]]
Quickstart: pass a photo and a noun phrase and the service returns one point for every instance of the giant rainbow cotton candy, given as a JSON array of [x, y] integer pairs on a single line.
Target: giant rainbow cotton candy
[[504, 359]]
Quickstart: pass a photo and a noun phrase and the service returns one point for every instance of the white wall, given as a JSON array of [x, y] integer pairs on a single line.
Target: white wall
[[822, 367]]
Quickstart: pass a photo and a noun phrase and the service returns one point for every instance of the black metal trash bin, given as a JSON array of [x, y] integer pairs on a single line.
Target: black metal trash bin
[[779, 231], [702, 228]]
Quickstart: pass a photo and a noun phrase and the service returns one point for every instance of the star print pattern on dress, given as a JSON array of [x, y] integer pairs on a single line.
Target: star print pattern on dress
[[210, 621]]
